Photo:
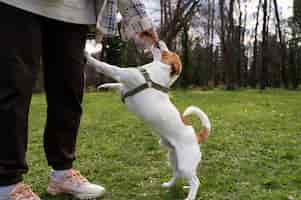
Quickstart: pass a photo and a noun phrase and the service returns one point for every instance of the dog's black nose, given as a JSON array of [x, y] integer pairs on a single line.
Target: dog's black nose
[[157, 45]]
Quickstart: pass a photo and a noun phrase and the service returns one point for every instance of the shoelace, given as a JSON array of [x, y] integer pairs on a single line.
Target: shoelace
[[23, 191], [76, 177]]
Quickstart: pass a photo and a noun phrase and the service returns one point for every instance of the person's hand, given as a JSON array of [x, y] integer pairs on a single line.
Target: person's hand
[[93, 48], [149, 37]]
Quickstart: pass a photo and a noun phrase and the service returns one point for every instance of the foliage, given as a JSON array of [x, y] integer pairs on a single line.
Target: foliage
[[217, 47], [297, 12], [253, 152]]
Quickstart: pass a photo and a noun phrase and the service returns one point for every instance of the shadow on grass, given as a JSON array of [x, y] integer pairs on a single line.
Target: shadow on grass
[[176, 193], [46, 196]]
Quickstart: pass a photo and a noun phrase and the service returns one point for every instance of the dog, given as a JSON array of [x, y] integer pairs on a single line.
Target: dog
[[144, 92]]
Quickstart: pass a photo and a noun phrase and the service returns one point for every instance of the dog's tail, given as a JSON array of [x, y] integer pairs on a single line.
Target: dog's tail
[[203, 135]]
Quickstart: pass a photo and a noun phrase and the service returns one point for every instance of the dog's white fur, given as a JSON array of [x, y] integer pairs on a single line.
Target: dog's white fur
[[156, 109]]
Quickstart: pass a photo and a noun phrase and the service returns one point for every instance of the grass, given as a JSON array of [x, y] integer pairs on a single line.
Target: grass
[[254, 152]]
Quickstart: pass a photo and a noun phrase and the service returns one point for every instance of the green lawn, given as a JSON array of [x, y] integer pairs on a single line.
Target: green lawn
[[254, 151]]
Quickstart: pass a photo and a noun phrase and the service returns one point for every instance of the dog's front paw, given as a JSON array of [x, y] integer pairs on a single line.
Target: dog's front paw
[[87, 54], [101, 87], [168, 185], [190, 198]]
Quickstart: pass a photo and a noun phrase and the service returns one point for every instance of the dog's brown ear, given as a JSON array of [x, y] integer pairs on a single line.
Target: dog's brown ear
[[176, 64], [174, 61]]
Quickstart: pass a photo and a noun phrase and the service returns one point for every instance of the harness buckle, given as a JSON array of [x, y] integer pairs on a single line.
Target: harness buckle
[[149, 84]]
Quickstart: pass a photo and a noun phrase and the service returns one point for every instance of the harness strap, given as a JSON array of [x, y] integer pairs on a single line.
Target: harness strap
[[149, 84]]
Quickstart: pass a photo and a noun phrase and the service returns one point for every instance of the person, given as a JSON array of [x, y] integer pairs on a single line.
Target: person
[[56, 32]]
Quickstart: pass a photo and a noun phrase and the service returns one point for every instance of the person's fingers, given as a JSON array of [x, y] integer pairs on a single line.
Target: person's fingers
[[150, 36], [156, 36], [98, 37]]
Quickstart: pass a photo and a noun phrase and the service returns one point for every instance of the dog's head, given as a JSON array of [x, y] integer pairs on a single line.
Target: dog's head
[[161, 52]]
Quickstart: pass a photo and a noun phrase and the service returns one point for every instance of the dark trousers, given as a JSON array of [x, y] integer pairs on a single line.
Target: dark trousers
[[26, 41]]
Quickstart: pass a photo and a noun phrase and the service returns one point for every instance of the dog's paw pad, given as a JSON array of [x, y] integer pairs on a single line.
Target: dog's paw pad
[[167, 185], [186, 187]]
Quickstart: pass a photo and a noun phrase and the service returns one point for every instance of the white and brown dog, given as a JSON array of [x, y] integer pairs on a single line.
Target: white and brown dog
[[144, 92]]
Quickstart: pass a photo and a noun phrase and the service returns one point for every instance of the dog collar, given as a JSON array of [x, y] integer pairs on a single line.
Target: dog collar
[[148, 84]]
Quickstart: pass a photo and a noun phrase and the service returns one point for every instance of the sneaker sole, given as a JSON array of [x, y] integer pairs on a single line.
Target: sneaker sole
[[78, 195], [88, 196]]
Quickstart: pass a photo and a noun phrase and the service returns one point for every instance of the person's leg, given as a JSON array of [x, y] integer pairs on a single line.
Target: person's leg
[[20, 45], [63, 46]]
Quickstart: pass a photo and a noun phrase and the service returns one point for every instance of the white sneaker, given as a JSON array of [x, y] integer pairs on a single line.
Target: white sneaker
[[22, 192], [72, 182]]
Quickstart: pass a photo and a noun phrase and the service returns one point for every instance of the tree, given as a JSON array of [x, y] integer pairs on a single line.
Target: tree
[[253, 75], [212, 61], [283, 47], [297, 13], [186, 55], [174, 16], [263, 75]]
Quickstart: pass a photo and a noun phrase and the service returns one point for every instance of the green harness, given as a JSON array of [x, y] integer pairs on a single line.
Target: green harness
[[148, 84]]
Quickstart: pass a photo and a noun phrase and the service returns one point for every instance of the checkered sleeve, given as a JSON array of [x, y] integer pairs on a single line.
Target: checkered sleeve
[[107, 17], [134, 18]]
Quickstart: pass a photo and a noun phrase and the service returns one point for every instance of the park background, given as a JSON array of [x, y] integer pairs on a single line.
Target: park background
[[229, 44], [241, 63]]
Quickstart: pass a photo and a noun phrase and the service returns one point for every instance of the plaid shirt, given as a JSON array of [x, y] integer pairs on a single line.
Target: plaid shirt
[[134, 18]]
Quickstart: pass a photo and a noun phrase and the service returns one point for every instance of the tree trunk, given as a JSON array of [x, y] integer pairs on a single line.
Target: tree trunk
[[244, 57], [213, 65], [208, 46], [239, 47], [253, 75], [293, 66], [283, 48], [186, 58], [263, 75], [222, 38], [230, 58]]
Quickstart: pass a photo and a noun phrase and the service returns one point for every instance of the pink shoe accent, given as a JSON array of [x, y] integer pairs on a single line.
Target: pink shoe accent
[[53, 189], [23, 192], [75, 184]]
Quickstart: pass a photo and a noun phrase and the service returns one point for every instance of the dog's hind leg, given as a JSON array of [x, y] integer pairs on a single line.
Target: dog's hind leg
[[194, 184], [188, 160], [173, 162], [172, 157]]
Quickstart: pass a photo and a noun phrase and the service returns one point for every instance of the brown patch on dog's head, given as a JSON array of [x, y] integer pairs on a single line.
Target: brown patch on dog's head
[[174, 61]]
